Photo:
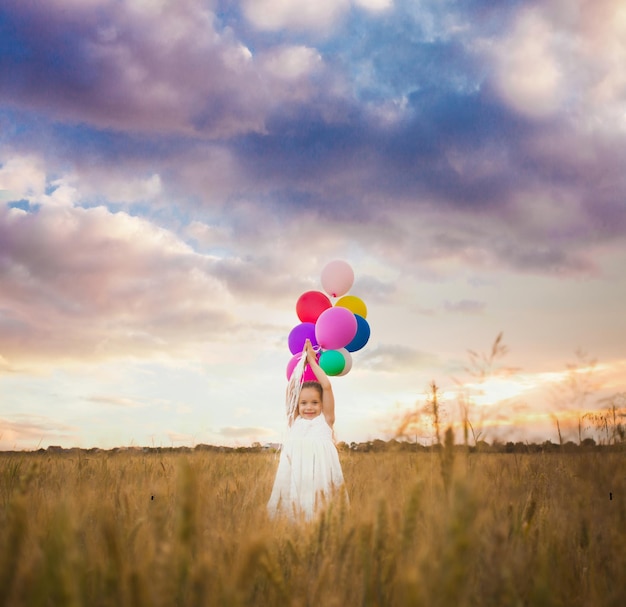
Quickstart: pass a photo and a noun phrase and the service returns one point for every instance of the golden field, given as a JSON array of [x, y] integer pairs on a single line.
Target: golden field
[[441, 528]]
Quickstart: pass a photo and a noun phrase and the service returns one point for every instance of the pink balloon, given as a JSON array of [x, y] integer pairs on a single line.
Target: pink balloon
[[335, 328], [337, 278], [308, 372]]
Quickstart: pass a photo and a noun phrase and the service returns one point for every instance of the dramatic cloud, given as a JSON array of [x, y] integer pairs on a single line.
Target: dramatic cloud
[[22, 176], [141, 66], [529, 74], [539, 73], [88, 283]]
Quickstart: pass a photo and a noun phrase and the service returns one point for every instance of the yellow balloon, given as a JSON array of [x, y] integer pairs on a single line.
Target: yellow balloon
[[354, 304]]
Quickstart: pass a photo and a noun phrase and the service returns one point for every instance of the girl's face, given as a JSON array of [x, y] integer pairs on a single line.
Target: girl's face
[[310, 403]]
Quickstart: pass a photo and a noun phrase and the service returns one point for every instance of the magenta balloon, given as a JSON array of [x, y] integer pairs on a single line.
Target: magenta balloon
[[311, 304], [308, 372], [337, 278], [335, 328], [298, 336]]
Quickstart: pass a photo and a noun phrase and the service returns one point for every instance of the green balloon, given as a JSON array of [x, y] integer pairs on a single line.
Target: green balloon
[[332, 362]]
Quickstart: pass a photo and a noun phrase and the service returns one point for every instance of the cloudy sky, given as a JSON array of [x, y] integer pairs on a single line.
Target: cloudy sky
[[174, 174]]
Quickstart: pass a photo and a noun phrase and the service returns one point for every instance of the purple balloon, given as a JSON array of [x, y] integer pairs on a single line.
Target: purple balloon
[[298, 336], [335, 328]]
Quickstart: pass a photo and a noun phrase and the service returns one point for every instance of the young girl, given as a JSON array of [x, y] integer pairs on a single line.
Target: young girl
[[309, 470]]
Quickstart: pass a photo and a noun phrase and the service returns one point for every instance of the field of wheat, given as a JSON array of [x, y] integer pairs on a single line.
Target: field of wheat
[[432, 529]]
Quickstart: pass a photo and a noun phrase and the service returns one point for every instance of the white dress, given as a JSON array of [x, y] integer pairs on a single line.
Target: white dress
[[308, 471]]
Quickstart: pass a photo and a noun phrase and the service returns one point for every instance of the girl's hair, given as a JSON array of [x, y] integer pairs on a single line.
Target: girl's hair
[[313, 384]]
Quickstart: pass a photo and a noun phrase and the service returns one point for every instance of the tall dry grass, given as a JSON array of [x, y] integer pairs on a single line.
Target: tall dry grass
[[135, 529]]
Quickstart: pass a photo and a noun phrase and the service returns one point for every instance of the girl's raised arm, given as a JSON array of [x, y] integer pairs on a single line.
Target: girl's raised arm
[[328, 398]]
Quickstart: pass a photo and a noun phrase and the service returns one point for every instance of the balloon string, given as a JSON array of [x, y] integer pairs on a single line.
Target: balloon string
[[293, 390], [295, 386]]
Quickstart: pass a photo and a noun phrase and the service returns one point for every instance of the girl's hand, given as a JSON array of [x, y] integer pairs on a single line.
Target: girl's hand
[[328, 399], [309, 351]]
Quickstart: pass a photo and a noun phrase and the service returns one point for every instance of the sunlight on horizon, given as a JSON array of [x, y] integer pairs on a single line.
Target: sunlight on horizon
[[496, 389], [542, 403]]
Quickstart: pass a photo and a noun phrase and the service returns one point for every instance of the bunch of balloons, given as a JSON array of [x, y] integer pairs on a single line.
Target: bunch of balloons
[[338, 330]]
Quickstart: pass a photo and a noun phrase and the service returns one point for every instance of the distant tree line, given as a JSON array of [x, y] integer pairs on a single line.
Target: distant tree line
[[588, 444], [372, 446]]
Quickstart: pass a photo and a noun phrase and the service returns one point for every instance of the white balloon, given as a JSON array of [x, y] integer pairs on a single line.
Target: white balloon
[[337, 278], [348, 358]]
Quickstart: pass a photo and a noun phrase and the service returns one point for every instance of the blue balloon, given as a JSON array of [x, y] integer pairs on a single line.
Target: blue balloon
[[362, 335]]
